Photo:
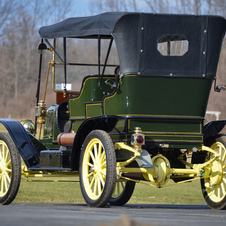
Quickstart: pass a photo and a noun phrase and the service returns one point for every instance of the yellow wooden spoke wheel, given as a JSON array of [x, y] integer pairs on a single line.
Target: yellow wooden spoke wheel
[[97, 168], [10, 169], [214, 187], [122, 192]]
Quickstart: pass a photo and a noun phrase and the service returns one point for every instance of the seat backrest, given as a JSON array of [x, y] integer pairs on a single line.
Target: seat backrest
[[90, 92]]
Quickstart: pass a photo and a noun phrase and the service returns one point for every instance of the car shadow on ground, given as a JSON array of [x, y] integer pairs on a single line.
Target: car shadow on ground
[[127, 206], [139, 206]]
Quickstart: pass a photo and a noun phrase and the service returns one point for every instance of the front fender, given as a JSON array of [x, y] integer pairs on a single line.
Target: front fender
[[212, 128], [28, 146]]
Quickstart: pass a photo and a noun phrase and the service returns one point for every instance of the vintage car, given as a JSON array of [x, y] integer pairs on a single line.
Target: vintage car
[[140, 122]]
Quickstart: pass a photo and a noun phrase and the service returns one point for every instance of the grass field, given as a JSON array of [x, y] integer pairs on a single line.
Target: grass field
[[69, 192]]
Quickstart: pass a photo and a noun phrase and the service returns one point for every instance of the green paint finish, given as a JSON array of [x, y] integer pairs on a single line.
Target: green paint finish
[[90, 92], [169, 137], [165, 138], [185, 146], [76, 125], [94, 109], [166, 126], [48, 143], [184, 98], [159, 96], [56, 130]]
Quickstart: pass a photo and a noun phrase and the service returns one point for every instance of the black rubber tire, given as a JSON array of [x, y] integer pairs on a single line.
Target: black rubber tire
[[93, 178], [125, 196], [215, 203], [10, 173]]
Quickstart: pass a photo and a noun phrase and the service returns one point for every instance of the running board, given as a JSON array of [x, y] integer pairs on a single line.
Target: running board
[[50, 169]]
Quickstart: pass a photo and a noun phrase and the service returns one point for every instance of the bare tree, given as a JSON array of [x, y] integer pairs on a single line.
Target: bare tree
[[7, 8], [19, 24], [115, 6]]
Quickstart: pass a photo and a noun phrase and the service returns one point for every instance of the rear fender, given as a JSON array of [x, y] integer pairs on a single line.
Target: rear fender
[[29, 147], [103, 123], [212, 128]]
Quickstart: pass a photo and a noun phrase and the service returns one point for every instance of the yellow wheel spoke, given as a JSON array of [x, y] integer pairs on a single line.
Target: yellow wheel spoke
[[89, 164], [114, 191], [223, 156], [224, 181], [7, 177], [121, 187], [214, 190], [118, 187], [91, 174], [102, 156], [5, 183], [92, 156], [3, 153], [102, 180], [100, 151], [222, 189], [2, 184], [99, 186], [219, 150], [103, 165], [9, 162], [91, 184], [95, 152], [95, 187], [102, 172], [8, 170], [223, 168], [7, 155], [217, 191]]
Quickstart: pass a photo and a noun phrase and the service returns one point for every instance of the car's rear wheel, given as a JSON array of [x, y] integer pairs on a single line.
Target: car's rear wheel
[[97, 168], [122, 192], [10, 169], [214, 187]]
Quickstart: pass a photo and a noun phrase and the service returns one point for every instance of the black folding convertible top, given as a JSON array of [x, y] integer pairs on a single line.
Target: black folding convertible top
[[138, 34], [92, 26]]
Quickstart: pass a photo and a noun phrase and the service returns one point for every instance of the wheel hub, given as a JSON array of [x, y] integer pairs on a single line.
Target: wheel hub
[[161, 169], [216, 173]]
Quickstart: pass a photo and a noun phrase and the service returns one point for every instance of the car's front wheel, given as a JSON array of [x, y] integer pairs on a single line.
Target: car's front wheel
[[10, 169]]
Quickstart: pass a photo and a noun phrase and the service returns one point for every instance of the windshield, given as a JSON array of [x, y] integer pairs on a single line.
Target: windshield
[[82, 60]]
